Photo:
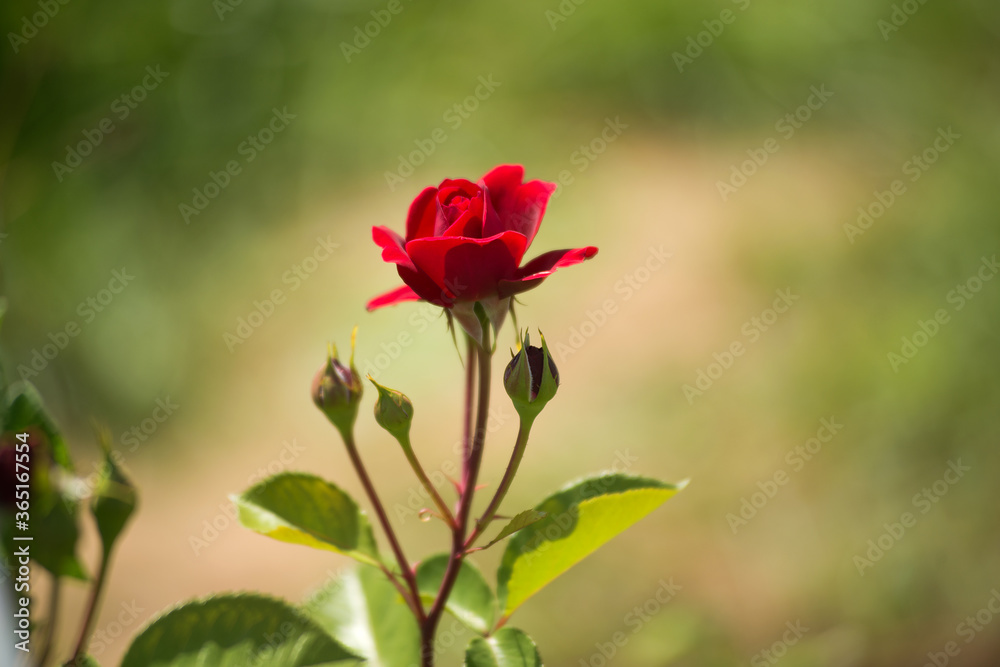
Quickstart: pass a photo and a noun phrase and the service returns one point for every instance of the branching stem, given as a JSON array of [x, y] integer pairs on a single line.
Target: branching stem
[[473, 458], [405, 570]]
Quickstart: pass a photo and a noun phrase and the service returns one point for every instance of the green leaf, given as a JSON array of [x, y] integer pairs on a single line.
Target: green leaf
[[304, 509], [26, 410], [54, 534], [82, 661], [234, 631], [365, 613], [55, 540], [522, 520], [509, 647], [580, 518], [53, 522], [471, 600]]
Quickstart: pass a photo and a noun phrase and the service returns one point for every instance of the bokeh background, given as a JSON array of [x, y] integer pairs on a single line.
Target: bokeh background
[[901, 75]]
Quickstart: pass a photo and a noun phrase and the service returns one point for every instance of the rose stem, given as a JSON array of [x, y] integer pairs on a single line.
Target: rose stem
[[508, 478], [91, 615], [422, 476], [471, 467], [366, 482]]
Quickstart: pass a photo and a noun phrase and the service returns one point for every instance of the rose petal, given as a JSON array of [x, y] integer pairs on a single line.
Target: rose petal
[[534, 272], [503, 181], [450, 186], [492, 222], [422, 215], [426, 288], [528, 207], [469, 225], [447, 215], [392, 297], [392, 245], [520, 207], [470, 222], [468, 268]]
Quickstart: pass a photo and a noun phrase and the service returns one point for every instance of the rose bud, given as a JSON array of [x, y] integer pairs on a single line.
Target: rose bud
[[393, 411], [337, 389], [114, 499], [531, 379]]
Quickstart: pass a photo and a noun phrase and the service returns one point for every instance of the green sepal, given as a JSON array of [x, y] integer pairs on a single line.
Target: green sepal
[[114, 500]]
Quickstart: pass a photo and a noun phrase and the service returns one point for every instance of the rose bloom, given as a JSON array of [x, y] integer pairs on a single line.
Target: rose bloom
[[465, 241]]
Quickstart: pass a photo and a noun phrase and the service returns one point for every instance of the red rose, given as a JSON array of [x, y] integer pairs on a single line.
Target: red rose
[[465, 242]]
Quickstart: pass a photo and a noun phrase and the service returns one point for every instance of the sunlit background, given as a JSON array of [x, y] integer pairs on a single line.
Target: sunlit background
[[837, 160]]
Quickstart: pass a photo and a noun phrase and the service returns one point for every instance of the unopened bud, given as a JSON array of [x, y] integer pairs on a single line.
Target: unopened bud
[[393, 411], [337, 389], [114, 498], [531, 378]]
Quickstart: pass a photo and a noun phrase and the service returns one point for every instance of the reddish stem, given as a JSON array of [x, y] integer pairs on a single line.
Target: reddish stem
[[472, 461], [508, 478], [404, 566], [93, 603]]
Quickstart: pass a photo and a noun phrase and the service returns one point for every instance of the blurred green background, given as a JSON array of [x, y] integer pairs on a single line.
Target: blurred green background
[[694, 90]]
